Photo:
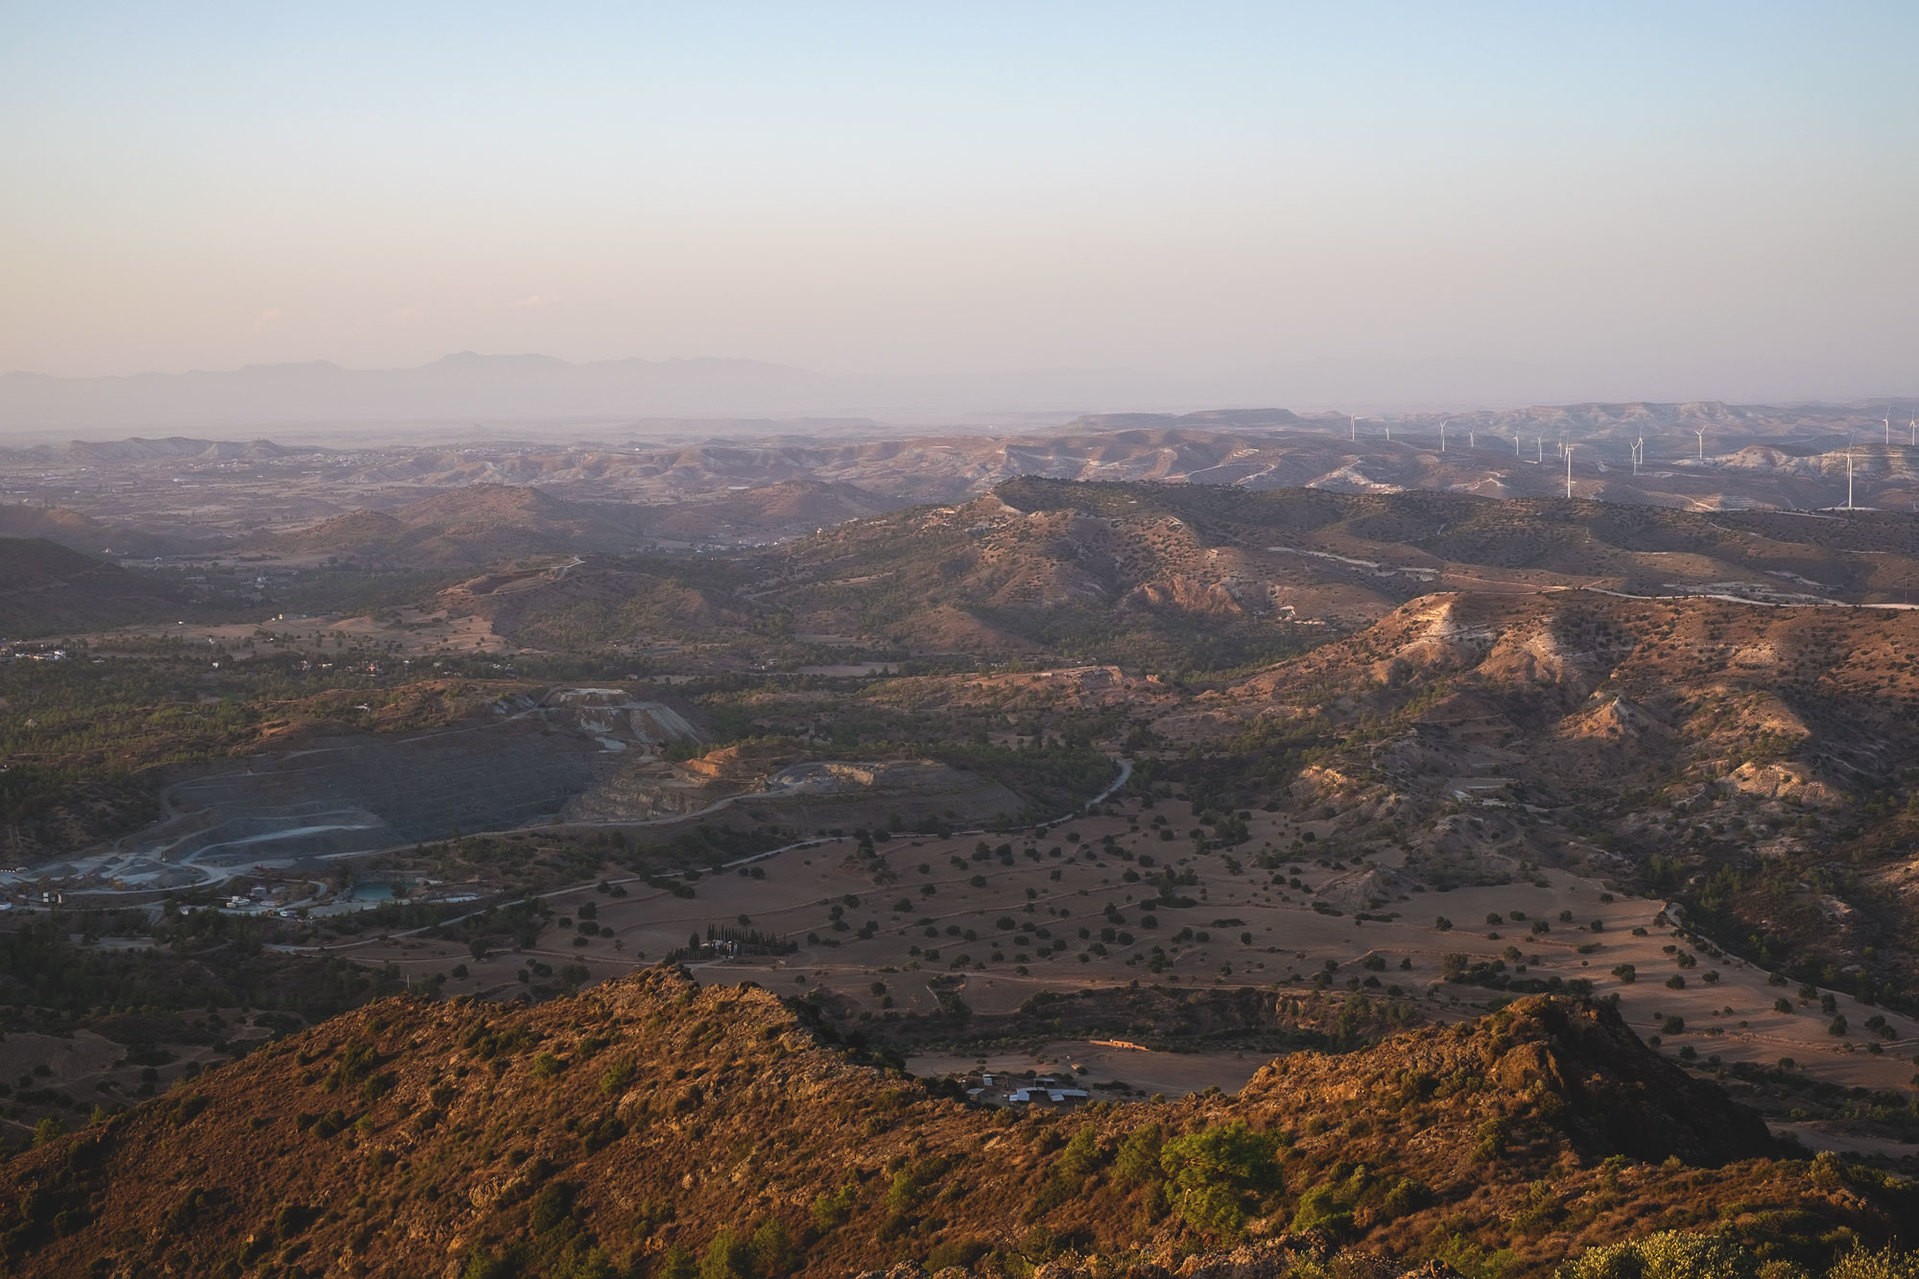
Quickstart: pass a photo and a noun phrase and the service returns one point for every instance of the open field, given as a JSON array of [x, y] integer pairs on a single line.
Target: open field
[[995, 935], [405, 631]]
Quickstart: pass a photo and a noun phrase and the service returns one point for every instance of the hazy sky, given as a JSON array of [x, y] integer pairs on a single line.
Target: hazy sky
[[1418, 201]]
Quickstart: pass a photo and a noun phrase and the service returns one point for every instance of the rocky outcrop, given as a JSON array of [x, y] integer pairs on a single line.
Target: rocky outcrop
[[649, 1115]]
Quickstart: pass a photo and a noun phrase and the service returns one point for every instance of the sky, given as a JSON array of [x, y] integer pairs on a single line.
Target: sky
[[1363, 203]]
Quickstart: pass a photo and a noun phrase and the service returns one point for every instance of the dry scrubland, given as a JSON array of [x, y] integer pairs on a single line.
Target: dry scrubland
[[1374, 801], [1245, 926], [649, 1122]]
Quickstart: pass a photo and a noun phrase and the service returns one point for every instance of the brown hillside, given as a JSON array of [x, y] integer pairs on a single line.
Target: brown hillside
[[475, 525], [611, 1132], [1723, 754], [602, 601], [80, 532]]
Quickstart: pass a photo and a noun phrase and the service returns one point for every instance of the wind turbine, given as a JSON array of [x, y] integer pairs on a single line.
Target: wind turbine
[[1887, 419], [1700, 431], [1472, 437], [1516, 452], [1352, 427], [1848, 477], [1569, 472], [1913, 426], [1442, 435], [1638, 453], [1539, 449]]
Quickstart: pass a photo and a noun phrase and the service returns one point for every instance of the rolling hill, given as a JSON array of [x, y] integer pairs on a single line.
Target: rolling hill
[[1753, 763], [1054, 566], [46, 588], [649, 1122], [475, 525], [83, 533]]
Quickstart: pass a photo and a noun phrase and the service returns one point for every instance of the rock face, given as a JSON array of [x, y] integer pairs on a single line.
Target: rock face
[[1574, 1065], [648, 1117], [1794, 782], [1189, 595], [1614, 1096]]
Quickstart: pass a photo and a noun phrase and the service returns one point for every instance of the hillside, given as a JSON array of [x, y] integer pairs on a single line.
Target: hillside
[[648, 1122], [1151, 573], [47, 588], [608, 602], [1155, 575], [1754, 457], [763, 512], [80, 532], [705, 477], [475, 525], [1752, 762]]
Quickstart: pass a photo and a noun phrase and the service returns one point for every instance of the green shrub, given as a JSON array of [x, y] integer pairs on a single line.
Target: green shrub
[[1138, 1160], [832, 1208], [1216, 1176], [1670, 1254]]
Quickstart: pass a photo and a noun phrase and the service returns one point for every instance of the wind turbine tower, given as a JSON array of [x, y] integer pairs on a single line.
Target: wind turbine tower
[[1569, 472], [1848, 478], [1700, 431], [1352, 427], [1472, 437], [1442, 435], [1888, 421], [1539, 449], [1638, 453]]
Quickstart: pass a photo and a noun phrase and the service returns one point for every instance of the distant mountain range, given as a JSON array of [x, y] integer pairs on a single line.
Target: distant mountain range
[[468, 389], [463, 386]]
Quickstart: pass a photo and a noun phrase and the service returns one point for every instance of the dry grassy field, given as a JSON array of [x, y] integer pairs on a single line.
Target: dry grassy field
[[1066, 915]]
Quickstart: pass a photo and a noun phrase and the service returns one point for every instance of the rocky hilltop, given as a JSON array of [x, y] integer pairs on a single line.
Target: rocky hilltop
[[648, 1122]]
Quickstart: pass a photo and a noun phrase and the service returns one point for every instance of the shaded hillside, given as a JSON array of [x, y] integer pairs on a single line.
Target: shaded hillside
[[648, 1122], [1754, 457], [474, 525], [762, 512], [47, 588], [1396, 539], [135, 449], [610, 602], [80, 532], [1786, 458]]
